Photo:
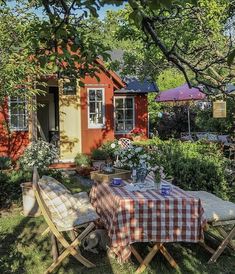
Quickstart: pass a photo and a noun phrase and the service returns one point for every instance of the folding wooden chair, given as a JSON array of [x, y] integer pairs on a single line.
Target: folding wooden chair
[[220, 215], [69, 248]]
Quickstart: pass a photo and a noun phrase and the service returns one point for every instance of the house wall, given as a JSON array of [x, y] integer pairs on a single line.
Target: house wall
[[12, 143], [94, 137], [141, 114]]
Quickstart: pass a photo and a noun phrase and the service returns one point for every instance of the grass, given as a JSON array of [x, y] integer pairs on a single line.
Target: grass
[[24, 250]]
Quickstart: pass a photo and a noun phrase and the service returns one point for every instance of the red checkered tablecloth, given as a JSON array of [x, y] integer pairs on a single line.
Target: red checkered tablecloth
[[147, 216]]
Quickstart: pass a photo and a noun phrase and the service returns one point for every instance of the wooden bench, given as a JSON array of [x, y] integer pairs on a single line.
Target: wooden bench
[[220, 215]]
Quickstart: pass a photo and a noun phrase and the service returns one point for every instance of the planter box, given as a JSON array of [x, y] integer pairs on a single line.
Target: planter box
[[106, 178]]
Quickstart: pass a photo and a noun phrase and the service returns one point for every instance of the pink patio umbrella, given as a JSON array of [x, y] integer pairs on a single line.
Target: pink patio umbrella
[[181, 94]]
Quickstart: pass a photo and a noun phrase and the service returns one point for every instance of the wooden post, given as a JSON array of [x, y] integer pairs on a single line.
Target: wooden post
[[32, 119]]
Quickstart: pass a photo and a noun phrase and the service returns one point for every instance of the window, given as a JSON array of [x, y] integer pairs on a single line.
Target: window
[[124, 114], [96, 108], [69, 86], [18, 113]]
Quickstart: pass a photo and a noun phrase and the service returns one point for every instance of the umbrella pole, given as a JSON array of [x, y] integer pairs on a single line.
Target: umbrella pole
[[189, 126]]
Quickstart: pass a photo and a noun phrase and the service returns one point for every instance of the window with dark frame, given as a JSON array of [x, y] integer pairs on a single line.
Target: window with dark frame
[[96, 107], [124, 114], [69, 86], [18, 118]]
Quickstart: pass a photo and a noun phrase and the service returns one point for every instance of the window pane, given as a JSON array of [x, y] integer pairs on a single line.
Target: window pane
[[129, 103], [129, 124], [14, 108], [119, 103], [100, 118], [99, 95], [92, 107], [69, 87], [21, 108], [120, 126], [92, 119], [92, 95], [129, 114], [14, 121], [119, 114], [21, 122]]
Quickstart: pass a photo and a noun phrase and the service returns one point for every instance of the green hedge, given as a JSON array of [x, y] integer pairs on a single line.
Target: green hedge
[[194, 166]]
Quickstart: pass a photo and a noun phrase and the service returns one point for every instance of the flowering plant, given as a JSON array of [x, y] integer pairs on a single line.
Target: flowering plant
[[133, 157], [159, 173], [137, 132], [40, 154]]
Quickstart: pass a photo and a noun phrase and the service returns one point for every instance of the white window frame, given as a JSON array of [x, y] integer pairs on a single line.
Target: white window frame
[[123, 97], [97, 125], [18, 100]]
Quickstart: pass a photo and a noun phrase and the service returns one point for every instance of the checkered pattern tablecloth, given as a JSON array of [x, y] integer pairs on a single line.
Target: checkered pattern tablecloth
[[147, 216]]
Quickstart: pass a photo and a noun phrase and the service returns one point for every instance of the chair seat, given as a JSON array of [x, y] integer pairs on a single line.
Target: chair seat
[[67, 210], [83, 214], [215, 208]]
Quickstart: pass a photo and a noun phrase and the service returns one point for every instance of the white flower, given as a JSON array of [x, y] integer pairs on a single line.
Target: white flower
[[113, 145], [138, 149]]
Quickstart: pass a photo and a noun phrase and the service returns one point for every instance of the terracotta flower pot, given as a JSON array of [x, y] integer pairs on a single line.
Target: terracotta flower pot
[[137, 138]]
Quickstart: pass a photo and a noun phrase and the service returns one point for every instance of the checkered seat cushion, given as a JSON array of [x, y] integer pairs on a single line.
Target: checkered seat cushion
[[67, 210]]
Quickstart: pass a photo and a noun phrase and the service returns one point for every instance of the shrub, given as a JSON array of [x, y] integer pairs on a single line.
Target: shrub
[[99, 154], [82, 160], [40, 154], [5, 162], [110, 147], [194, 166], [10, 187]]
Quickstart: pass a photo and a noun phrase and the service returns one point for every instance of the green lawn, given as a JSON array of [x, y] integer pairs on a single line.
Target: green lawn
[[24, 250]]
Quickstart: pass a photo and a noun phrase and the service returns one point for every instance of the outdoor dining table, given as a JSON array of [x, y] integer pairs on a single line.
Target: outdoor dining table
[[147, 216]]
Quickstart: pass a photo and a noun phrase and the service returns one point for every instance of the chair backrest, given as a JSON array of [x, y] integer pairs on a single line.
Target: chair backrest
[[125, 143], [43, 207]]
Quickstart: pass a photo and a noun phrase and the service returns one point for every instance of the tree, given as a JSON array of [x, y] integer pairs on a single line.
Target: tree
[[18, 72], [192, 35]]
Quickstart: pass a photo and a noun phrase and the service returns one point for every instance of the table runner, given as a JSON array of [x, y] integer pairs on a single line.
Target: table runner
[[147, 216]]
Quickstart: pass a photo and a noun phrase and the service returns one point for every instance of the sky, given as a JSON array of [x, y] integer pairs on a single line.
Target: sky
[[101, 12]]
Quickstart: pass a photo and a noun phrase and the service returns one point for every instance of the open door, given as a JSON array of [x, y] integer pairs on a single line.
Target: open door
[[70, 120]]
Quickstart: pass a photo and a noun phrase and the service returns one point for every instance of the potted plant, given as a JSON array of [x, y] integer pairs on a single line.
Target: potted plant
[[137, 134], [40, 154], [99, 157], [83, 163]]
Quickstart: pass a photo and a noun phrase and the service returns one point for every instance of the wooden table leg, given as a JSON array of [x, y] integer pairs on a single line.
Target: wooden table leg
[[167, 255], [136, 254], [148, 258]]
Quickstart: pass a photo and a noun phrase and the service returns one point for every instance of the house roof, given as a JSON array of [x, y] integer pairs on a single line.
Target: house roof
[[133, 83]]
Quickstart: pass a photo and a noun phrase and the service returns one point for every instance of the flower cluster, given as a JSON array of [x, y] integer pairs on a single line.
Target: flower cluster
[[133, 157], [158, 172], [137, 132], [40, 154]]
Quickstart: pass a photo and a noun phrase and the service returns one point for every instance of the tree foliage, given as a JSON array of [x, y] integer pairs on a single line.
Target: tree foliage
[[192, 35], [18, 71]]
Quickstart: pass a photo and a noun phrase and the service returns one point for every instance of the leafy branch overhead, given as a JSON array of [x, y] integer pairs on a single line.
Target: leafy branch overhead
[[195, 36]]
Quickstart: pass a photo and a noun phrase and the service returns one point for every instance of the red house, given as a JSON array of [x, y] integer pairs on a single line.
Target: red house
[[78, 119]]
